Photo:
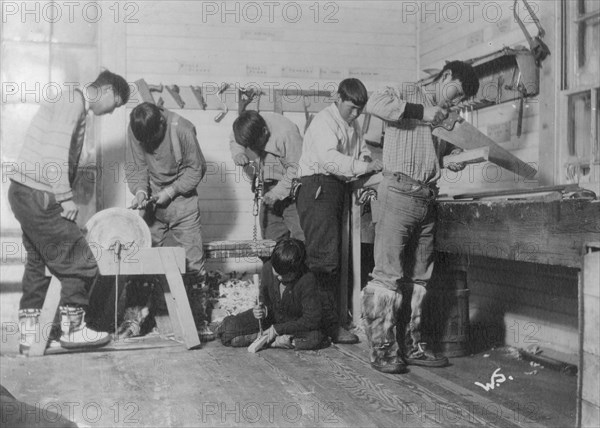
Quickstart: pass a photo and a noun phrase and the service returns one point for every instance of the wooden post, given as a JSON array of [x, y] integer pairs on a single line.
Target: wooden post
[[345, 262], [355, 239]]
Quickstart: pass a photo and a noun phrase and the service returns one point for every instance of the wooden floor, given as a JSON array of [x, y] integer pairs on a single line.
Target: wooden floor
[[335, 387]]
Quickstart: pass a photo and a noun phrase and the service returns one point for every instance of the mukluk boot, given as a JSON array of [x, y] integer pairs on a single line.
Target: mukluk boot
[[418, 353], [75, 332], [31, 331], [380, 308]]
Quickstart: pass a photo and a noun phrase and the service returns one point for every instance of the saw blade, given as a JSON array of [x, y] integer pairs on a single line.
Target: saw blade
[[464, 135]]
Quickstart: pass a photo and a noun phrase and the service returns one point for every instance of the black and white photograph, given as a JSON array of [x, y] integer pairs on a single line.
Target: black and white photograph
[[310, 213]]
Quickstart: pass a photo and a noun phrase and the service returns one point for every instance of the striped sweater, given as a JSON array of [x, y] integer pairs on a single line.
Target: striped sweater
[[50, 153]]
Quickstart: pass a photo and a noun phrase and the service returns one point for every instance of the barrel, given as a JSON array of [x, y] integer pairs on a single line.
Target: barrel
[[446, 313]]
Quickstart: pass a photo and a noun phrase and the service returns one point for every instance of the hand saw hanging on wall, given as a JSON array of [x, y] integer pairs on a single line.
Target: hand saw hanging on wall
[[462, 134]]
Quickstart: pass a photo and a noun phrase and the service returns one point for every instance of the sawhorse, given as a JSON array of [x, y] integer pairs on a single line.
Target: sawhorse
[[168, 261]]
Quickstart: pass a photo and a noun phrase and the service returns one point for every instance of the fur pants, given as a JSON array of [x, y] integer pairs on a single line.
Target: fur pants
[[392, 328]]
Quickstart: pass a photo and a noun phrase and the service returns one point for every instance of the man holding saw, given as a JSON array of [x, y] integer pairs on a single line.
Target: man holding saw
[[405, 230]]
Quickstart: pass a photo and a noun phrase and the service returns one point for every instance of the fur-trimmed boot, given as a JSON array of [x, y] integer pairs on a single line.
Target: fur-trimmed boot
[[380, 308], [75, 333], [31, 330], [417, 352]]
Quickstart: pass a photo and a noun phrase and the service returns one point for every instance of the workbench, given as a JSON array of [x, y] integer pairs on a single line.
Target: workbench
[[549, 233]]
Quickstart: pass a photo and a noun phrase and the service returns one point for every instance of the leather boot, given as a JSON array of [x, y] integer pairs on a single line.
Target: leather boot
[[380, 308], [75, 333]]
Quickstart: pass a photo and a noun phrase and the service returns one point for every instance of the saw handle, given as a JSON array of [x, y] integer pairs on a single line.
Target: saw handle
[[449, 122]]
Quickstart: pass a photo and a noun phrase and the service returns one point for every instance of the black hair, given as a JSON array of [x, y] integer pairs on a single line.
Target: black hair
[[353, 90], [116, 82], [146, 121], [248, 129], [465, 74], [288, 256]]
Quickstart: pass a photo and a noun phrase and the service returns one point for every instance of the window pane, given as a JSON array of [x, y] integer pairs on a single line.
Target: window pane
[[590, 6], [589, 59], [579, 126]]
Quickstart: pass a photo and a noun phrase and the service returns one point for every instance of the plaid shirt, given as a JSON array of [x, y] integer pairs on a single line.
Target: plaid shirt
[[408, 146]]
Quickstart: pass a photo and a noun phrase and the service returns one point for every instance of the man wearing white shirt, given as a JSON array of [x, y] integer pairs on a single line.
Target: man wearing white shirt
[[333, 153]]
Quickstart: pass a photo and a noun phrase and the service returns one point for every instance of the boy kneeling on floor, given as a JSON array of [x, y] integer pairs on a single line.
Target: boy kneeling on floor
[[288, 307]]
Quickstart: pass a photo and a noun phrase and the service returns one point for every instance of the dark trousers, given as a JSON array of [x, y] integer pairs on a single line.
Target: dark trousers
[[320, 208], [244, 323], [280, 221], [54, 242]]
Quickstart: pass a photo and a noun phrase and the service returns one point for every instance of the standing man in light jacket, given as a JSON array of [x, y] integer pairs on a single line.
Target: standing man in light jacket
[[333, 153]]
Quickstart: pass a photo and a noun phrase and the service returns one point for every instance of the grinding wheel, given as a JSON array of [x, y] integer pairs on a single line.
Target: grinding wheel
[[117, 224]]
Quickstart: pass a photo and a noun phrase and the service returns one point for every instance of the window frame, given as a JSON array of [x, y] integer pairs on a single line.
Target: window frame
[[571, 168]]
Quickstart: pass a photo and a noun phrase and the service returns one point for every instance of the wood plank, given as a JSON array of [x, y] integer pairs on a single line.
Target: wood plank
[[138, 261], [141, 343], [467, 157], [345, 261], [538, 232], [179, 309], [355, 237], [510, 192]]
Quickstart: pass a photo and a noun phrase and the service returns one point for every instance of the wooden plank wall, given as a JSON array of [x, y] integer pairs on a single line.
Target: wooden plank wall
[[208, 43], [524, 305], [458, 31]]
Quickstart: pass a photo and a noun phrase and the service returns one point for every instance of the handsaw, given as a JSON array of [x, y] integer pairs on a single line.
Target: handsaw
[[462, 134]]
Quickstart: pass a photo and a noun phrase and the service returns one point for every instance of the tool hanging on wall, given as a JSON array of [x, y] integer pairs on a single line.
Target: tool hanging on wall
[[222, 114], [173, 90], [247, 96], [538, 48], [145, 90], [197, 91], [518, 86]]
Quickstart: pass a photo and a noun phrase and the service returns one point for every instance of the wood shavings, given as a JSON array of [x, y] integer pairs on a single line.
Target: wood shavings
[[237, 295]]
